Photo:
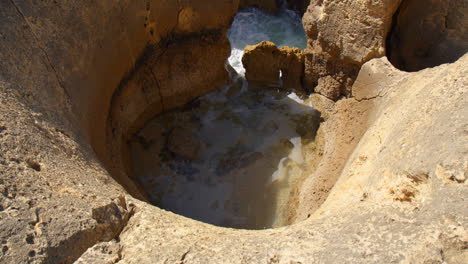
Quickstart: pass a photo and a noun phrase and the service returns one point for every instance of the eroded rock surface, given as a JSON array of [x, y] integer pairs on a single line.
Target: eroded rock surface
[[60, 65], [396, 188], [342, 35], [264, 62], [395, 151]]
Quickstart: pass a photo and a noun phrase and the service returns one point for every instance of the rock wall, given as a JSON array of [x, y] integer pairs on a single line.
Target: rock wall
[[343, 35], [429, 36], [60, 65]]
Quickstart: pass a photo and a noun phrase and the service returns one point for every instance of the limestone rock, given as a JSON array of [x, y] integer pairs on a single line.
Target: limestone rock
[[342, 35], [392, 166], [292, 68], [60, 66], [322, 104], [264, 61], [429, 36], [299, 6]]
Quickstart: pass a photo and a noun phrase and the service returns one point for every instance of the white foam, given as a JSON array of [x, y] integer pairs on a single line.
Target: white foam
[[296, 152]]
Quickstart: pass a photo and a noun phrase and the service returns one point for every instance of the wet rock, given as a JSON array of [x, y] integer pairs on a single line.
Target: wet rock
[[183, 143]]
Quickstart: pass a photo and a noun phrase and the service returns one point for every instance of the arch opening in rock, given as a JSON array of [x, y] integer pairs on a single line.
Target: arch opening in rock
[[428, 33]]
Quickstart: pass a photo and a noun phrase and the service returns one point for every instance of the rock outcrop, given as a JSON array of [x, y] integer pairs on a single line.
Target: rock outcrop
[[267, 65], [342, 35]]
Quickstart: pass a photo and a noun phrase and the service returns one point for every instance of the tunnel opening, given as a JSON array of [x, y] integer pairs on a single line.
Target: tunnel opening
[[426, 34], [236, 156]]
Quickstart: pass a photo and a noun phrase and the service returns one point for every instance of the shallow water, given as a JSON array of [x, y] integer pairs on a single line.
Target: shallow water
[[233, 157]]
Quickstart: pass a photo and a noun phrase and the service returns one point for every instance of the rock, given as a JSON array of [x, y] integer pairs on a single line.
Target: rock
[[299, 6], [292, 68], [343, 35], [322, 104], [70, 95], [183, 143], [392, 171], [329, 87], [264, 61], [429, 36]]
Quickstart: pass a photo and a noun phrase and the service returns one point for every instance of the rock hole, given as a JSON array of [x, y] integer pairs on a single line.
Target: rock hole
[[34, 165], [427, 37], [30, 239], [232, 157]]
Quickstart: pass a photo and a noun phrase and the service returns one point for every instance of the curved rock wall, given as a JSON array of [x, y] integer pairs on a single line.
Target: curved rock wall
[[428, 33], [60, 65]]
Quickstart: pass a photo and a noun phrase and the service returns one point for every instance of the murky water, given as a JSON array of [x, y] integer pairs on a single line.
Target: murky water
[[233, 157]]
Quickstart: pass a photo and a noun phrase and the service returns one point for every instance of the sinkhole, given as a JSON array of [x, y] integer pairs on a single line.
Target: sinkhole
[[237, 156]]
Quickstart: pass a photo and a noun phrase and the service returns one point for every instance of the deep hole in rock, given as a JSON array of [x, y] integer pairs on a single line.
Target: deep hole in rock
[[427, 33], [234, 157]]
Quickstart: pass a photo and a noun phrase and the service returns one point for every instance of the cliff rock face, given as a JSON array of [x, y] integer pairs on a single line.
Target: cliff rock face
[[342, 35]]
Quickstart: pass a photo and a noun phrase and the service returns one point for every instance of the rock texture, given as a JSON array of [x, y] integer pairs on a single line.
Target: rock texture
[[400, 195], [264, 62], [60, 65], [342, 35], [429, 36], [393, 162]]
